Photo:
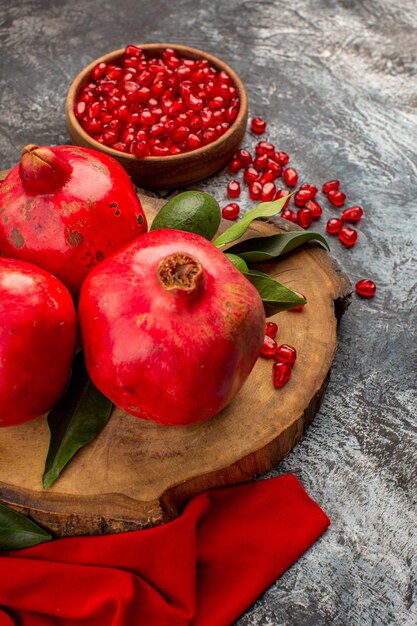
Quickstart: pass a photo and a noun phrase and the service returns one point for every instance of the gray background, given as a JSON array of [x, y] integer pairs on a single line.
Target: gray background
[[337, 83]]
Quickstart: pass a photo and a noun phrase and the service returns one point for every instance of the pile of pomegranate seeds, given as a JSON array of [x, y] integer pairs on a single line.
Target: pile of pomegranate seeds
[[149, 106], [283, 355]]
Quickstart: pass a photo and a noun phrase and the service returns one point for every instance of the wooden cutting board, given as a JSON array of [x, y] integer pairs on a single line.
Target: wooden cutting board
[[136, 474]]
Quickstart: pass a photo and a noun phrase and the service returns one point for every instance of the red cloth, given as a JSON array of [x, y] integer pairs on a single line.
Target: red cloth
[[202, 569]]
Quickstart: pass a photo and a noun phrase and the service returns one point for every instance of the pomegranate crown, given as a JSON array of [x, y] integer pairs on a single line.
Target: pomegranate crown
[[41, 170]]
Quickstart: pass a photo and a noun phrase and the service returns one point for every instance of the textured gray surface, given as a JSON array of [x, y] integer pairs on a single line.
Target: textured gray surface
[[337, 83]]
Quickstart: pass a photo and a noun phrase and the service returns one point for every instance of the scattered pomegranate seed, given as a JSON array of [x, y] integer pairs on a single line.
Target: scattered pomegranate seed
[[231, 211], [300, 307], [302, 197], [250, 175], [274, 167], [290, 176], [281, 374], [289, 215], [365, 288], [233, 189], [281, 157], [271, 329], [234, 166], [255, 190], [315, 209], [267, 177], [264, 147], [337, 198], [286, 354], [354, 214], [268, 191], [281, 193], [261, 162], [311, 188], [331, 185], [268, 348], [334, 226], [244, 157], [258, 125], [348, 236], [304, 217]]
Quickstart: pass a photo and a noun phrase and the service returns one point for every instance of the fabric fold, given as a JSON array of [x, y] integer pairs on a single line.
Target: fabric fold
[[204, 568]]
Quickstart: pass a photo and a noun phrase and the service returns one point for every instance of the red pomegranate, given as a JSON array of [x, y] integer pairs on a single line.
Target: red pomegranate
[[67, 208], [38, 333], [171, 329]]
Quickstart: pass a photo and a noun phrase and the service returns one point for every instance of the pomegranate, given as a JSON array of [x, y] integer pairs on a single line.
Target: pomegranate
[[171, 329], [38, 333], [67, 208]]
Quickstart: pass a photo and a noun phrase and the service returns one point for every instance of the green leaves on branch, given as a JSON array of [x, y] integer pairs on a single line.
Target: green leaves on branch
[[275, 297], [265, 209], [78, 417], [18, 531], [273, 246]]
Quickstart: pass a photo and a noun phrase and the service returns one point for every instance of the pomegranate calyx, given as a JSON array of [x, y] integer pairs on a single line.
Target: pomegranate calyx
[[180, 273], [41, 170]]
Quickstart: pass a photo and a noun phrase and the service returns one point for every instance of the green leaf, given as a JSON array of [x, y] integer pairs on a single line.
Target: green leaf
[[275, 297], [237, 262], [268, 248], [265, 209], [77, 418], [18, 531]]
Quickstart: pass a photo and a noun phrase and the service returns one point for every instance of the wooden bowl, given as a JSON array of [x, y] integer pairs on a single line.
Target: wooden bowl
[[171, 171]]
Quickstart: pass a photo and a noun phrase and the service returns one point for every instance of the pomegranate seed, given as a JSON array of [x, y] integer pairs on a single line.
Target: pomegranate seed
[[244, 157], [255, 190], [315, 209], [281, 193], [300, 307], [286, 354], [304, 217], [354, 214], [281, 157], [268, 348], [264, 147], [250, 175], [258, 125], [365, 288], [216, 103], [268, 191], [231, 211], [133, 51], [337, 198], [331, 185], [289, 215], [281, 374], [140, 149], [311, 188], [193, 142], [234, 166], [334, 226], [274, 167], [233, 189], [290, 176], [271, 329], [98, 71], [348, 236], [302, 197], [261, 162], [80, 109], [120, 146], [194, 103], [267, 177]]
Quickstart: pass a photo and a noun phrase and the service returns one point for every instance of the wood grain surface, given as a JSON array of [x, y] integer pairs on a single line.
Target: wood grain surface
[[137, 474], [335, 81]]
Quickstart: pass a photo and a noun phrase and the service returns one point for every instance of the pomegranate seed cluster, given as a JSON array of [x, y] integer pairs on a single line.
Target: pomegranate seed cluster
[[283, 355], [260, 173], [163, 106]]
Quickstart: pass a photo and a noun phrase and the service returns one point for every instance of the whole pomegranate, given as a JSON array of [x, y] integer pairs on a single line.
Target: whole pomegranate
[[171, 329], [67, 208], [38, 334]]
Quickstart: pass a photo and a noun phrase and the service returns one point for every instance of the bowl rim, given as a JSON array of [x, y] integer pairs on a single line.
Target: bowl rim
[[78, 81]]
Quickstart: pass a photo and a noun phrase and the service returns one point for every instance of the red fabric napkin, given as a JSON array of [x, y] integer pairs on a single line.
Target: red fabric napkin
[[202, 569]]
